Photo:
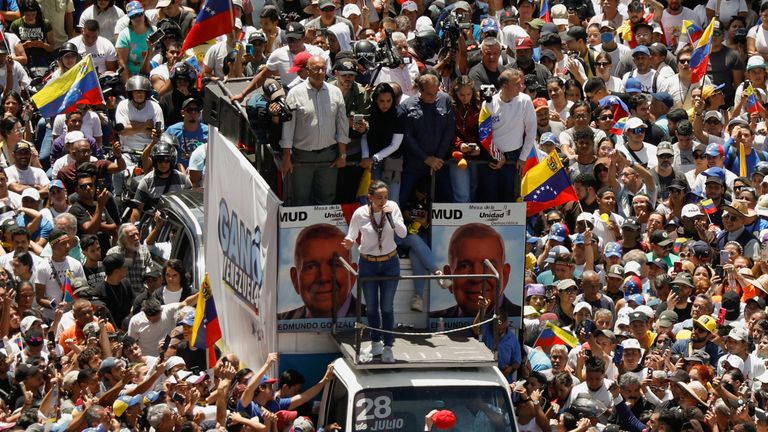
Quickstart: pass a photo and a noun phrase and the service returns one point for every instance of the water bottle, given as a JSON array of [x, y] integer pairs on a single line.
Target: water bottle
[[440, 324]]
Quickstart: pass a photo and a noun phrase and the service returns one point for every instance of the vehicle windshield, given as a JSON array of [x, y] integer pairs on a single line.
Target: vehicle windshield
[[402, 409]]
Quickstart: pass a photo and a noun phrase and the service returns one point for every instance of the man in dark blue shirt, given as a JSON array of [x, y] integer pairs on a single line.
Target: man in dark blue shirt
[[429, 132]]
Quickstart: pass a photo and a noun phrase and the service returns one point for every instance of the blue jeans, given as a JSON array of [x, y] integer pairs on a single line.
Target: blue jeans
[[463, 182], [44, 142], [422, 259], [380, 296], [497, 185]]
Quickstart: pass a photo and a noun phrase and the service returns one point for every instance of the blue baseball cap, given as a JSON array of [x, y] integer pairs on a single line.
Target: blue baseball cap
[[531, 239], [714, 172], [579, 239], [633, 85], [613, 249], [637, 298], [134, 8], [665, 98], [558, 232], [549, 137], [641, 49], [489, 25], [188, 320], [714, 149]]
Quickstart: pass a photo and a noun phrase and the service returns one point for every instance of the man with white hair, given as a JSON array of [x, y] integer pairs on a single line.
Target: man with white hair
[[405, 75], [129, 244], [67, 222]]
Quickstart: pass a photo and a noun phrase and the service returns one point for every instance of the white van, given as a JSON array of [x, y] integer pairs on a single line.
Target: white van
[[457, 374]]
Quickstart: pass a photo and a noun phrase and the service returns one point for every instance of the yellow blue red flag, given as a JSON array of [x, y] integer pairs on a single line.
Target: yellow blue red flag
[[547, 185], [79, 85]]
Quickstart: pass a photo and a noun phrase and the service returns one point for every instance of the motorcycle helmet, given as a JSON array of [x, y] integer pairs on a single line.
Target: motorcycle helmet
[[138, 83], [365, 53], [183, 70], [165, 148], [68, 48]]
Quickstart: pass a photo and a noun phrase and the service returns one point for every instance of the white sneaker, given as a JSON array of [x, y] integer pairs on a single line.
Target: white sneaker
[[444, 283], [375, 349], [387, 356], [417, 304]]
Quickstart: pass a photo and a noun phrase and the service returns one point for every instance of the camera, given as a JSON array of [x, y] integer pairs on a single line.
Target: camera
[[453, 24], [487, 91], [274, 93], [386, 53]]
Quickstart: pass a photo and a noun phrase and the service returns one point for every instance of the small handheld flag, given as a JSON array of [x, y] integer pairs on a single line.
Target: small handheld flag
[[708, 206]]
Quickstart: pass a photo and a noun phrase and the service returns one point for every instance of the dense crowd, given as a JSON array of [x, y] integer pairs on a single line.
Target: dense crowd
[[655, 280]]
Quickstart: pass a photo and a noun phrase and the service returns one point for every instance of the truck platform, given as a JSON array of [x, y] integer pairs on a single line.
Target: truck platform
[[422, 351]]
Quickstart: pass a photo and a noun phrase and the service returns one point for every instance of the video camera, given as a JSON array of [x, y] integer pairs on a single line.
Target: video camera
[[453, 24], [383, 54], [487, 91], [274, 93]]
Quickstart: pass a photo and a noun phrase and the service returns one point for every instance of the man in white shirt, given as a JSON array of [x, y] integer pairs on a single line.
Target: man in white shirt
[[213, 62], [634, 148], [595, 384], [672, 21], [101, 49], [514, 133], [641, 56], [154, 322], [59, 266], [138, 114], [405, 74], [22, 176], [20, 78]]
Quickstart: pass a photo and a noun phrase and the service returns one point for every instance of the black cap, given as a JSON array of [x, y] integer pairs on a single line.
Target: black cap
[[715, 179], [635, 6], [679, 184], [153, 270], [188, 101], [547, 53], [24, 371], [345, 66], [550, 39], [684, 128], [294, 30], [643, 24], [661, 238], [631, 223]]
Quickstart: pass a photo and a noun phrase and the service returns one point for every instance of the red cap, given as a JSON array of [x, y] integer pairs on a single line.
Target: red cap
[[285, 418], [524, 43], [540, 103], [444, 419], [300, 61]]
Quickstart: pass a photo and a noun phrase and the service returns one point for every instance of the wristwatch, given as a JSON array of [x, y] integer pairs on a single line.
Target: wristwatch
[[343, 156]]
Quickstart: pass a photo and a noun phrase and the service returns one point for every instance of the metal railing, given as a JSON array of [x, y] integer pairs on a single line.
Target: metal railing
[[491, 273]]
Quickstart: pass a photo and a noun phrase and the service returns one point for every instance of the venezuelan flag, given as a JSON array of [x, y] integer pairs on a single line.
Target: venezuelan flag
[[544, 11], [753, 104], [486, 131], [708, 206], [206, 330], [547, 185], [552, 335], [620, 113], [700, 55], [532, 160], [66, 289], [692, 31], [79, 85]]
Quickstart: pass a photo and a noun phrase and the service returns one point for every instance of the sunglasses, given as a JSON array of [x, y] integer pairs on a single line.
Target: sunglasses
[[605, 118], [192, 110], [638, 130], [85, 185], [163, 159], [699, 156], [665, 156], [603, 64], [684, 61], [553, 220]]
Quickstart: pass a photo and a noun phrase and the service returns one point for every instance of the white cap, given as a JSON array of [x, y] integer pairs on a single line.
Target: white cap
[[691, 211], [624, 313], [633, 122], [424, 23], [620, 321], [582, 305], [646, 310], [633, 267], [732, 359], [27, 323], [174, 361], [631, 344], [586, 216], [559, 14], [409, 6], [31, 193], [73, 137], [350, 9]]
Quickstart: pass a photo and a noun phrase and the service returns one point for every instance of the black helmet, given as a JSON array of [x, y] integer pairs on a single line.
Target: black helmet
[[183, 70], [365, 53], [170, 28], [165, 148], [138, 83], [68, 48]]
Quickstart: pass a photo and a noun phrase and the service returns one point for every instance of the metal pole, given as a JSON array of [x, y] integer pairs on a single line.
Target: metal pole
[[487, 264]]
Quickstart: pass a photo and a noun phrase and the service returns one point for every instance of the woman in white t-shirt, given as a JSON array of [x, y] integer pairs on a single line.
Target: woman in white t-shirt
[[559, 105], [176, 287], [757, 37], [603, 64]]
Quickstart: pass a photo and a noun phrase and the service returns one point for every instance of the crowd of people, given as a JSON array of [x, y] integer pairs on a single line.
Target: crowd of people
[[655, 280]]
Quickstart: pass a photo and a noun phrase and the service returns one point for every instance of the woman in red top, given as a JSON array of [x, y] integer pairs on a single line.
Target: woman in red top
[[467, 141]]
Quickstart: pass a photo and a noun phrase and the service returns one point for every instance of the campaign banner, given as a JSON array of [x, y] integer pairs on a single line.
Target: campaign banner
[[240, 250], [463, 236], [309, 238]]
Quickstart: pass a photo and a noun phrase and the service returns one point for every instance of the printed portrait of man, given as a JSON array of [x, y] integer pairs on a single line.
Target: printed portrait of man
[[469, 246], [311, 274]]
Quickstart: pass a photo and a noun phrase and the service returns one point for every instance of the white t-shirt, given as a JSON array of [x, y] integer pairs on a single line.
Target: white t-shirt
[[170, 296], [53, 278], [91, 126], [107, 20], [281, 60], [149, 335], [760, 35], [673, 23], [20, 78], [29, 177], [602, 394], [214, 58], [64, 161], [728, 8], [161, 71], [127, 113], [645, 79], [101, 52], [647, 154]]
